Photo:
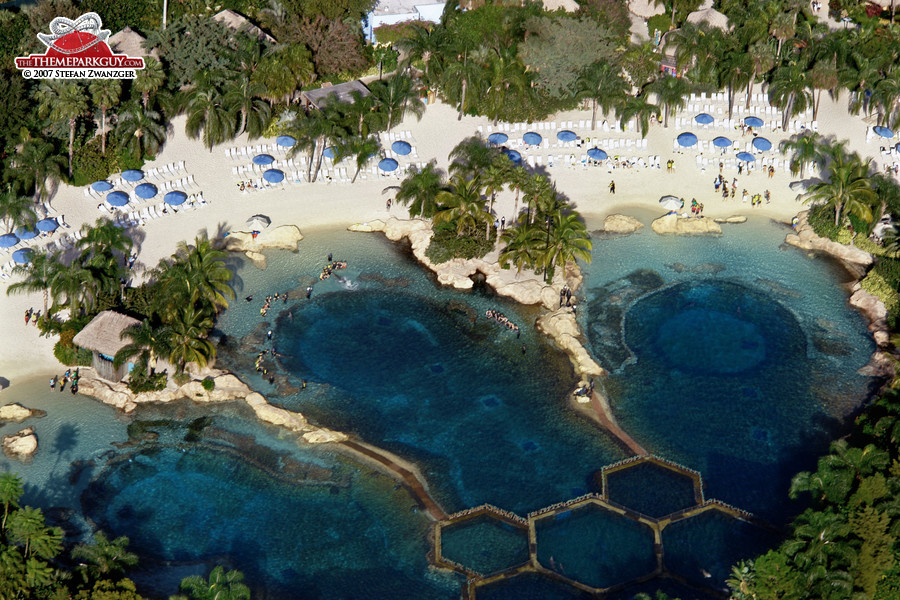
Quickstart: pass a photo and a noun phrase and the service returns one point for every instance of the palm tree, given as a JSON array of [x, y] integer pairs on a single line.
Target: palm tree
[[805, 149], [104, 238], [419, 190], [470, 157], [640, 108], [148, 80], [848, 191], [495, 178], [604, 85], [464, 71], [140, 131], [190, 328], [37, 166], [147, 343], [789, 90], [425, 45], [823, 76], [104, 557], [26, 526], [38, 275], [461, 203], [11, 491], [397, 96], [506, 80], [886, 96], [221, 586], [569, 240], [540, 196], [104, 93], [524, 244], [199, 273], [762, 59], [672, 93], [207, 114], [62, 101], [858, 461], [243, 96], [283, 70], [15, 209], [362, 149], [783, 27], [76, 283]]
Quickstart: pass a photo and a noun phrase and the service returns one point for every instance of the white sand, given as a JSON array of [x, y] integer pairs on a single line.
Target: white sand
[[25, 354]]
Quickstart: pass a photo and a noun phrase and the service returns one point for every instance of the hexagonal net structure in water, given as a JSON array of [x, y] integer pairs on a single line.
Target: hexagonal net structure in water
[[703, 547], [529, 586], [483, 543], [652, 486], [594, 545]]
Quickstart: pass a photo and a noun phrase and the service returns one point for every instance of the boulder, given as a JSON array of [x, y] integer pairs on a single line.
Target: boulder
[[257, 259], [276, 416], [324, 436], [16, 413], [805, 238], [685, 225], [562, 328], [284, 237], [731, 219], [20, 445], [621, 224], [368, 226]]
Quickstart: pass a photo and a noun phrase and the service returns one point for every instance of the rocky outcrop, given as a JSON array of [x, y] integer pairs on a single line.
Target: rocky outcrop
[[226, 388], [284, 237], [16, 413], [21, 445], [731, 219], [804, 237], [685, 225], [621, 224], [561, 327]]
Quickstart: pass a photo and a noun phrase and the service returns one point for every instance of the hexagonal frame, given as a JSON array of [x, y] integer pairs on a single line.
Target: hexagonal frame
[[694, 476], [466, 515]]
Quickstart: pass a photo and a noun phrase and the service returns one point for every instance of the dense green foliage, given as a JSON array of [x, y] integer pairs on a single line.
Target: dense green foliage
[[446, 244]]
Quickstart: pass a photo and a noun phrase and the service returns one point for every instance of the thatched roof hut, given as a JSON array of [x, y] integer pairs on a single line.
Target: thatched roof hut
[[238, 22], [566, 5], [342, 92], [102, 336], [130, 42], [645, 8]]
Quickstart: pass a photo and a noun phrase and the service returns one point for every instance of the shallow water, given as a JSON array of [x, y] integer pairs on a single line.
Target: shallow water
[[400, 363]]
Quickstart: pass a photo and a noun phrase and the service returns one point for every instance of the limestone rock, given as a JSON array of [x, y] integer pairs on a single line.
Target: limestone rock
[[103, 391], [805, 238], [621, 224], [731, 219], [21, 445], [16, 413], [563, 329], [685, 225], [323, 436], [276, 416], [529, 291], [257, 259], [368, 226], [284, 237]]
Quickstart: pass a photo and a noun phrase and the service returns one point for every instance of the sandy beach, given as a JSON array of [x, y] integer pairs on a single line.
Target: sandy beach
[[329, 205]]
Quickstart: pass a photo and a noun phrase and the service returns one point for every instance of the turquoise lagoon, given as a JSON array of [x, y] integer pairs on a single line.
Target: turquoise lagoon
[[400, 363]]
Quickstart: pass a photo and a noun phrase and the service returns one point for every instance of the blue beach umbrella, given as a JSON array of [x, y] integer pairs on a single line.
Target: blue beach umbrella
[[402, 148], [498, 138], [883, 131], [753, 122], [597, 154], [274, 176], [704, 118], [762, 144], [388, 164], [175, 198], [8, 240], [329, 152], [101, 186], [513, 155], [285, 141], [686, 139], [47, 225], [566, 136], [145, 191], [26, 233], [117, 198], [745, 156], [263, 159], [532, 139], [132, 175], [23, 255], [721, 142]]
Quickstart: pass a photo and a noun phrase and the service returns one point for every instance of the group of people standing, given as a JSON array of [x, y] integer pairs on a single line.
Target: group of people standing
[[67, 376], [32, 316]]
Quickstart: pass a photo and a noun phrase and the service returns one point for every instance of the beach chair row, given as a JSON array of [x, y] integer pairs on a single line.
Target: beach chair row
[[155, 211], [248, 152], [165, 171], [387, 137]]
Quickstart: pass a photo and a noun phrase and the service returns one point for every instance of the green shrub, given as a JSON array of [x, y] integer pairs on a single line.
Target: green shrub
[[140, 381], [208, 384], [72, 356], [90, 165], [659, 22], [393, 33], [446, 245], [821, 219]]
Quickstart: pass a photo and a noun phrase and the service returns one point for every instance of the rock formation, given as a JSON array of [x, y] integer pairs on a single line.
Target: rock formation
[[804, 237], [621, 224], [731, 219], [284, 237], [685, 225], [16, 413], [21, 445]]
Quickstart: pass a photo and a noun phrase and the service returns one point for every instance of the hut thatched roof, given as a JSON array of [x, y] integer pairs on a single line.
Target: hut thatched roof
[[103, 333], [236, 22], [341, 92], [645, 8], [711, 16], [129, 42]]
